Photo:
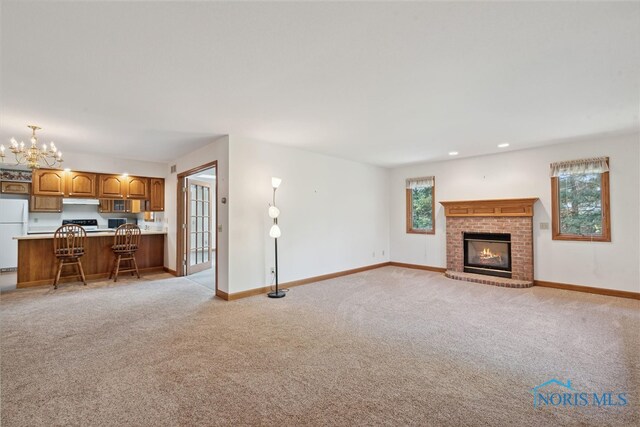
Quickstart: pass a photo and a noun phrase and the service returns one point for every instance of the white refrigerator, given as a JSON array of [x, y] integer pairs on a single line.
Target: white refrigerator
[[14, 217]]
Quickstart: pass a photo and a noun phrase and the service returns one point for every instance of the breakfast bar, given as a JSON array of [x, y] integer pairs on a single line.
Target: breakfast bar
[[37, 262]]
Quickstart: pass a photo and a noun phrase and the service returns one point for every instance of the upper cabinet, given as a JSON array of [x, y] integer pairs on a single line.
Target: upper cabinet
[[58, 183], [112, 186], [15, 187], [82, 184], [138, 188], [45, 204], [156, 199], [48, 182]]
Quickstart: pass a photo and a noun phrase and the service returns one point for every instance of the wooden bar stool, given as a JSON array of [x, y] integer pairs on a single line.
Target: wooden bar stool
[[68, 245], [125, 245]]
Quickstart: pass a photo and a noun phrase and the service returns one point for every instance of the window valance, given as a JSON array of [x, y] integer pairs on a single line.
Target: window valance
[[425, 181], [575, 167]]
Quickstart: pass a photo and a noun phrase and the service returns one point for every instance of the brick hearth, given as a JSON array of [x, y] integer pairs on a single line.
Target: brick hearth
[[513, 216]]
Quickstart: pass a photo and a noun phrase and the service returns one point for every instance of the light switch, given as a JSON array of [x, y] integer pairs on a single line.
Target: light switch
[[544, 226]]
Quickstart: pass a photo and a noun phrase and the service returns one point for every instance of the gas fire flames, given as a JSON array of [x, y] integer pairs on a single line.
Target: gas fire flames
[[487, 255]]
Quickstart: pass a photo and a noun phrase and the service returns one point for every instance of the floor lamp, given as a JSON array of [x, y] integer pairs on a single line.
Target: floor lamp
[[275, 233]]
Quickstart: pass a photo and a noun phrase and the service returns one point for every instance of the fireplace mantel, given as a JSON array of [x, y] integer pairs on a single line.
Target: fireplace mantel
[[496, 207]]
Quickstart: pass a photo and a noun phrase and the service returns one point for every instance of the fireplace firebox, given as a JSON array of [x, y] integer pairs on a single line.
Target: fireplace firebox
[[487, 253]]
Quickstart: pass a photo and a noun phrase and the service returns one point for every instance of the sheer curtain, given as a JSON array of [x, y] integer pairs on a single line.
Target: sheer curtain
[[575, 167], [425, 181]]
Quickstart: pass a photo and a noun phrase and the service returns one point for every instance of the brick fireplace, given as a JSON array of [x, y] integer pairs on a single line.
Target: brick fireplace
[[505, 217]]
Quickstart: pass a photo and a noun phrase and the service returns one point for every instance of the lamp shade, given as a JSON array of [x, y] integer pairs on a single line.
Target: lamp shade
[[275, 231], [274, 212], [275, 182]]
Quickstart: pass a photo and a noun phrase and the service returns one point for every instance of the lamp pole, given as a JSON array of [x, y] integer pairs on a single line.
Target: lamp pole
[[275, 233]]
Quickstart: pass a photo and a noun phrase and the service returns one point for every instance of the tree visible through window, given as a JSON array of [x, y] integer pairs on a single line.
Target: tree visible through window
[[580, 198], [580, 204], [420, 205]]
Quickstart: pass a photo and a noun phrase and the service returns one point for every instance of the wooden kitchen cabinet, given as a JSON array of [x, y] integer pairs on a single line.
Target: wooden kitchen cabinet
[[16, 187], [45, 204], [104, 206], [120, 206], [48, 182], [156, 195], [138, 188], [82, 184], [112, 186]]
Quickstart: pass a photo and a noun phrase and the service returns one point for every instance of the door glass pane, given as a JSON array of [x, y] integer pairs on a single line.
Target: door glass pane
[[200, 223], [206, 240], [206, 194]]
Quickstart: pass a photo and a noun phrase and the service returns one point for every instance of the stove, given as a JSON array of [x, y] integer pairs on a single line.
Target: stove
[[89, 225]]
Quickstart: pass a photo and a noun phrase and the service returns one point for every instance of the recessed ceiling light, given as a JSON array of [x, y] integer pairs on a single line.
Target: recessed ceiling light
[[453, 153], [503, 145]]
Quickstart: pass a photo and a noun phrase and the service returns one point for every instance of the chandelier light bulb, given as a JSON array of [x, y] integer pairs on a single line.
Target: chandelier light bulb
[[275, 182], [275, 231], [36, 155], [274, 212]]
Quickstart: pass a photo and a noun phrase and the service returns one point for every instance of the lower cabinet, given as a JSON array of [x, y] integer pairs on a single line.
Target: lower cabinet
[[45, 204]]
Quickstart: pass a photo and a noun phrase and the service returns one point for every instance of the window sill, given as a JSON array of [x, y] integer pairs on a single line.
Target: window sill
[[579, 238], [421, 231]]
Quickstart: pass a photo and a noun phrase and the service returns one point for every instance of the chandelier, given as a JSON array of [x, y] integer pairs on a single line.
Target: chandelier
[[33, 156]]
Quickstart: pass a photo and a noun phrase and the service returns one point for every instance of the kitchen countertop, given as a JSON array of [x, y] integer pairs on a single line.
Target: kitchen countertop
[[89, 235]]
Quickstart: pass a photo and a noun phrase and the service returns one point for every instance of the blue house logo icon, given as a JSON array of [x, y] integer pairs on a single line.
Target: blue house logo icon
[[536, 389]]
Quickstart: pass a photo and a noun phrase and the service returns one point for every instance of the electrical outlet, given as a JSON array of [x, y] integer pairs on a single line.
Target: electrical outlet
[[544, 226], [383, 252]]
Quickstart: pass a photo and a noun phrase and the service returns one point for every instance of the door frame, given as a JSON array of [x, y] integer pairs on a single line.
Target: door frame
[[189, 214], [181, 218]]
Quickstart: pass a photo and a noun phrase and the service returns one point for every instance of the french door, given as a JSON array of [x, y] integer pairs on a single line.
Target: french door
[[199, 208]]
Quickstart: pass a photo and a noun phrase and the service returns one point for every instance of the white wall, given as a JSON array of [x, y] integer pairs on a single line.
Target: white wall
[[525, 173], [334, 213], [217, 150], [104, 164]]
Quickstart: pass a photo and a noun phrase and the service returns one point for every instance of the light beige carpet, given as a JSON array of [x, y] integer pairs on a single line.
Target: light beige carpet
[[385, 347]]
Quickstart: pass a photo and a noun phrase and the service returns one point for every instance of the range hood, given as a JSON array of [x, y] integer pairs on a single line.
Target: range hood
[[70, 201]]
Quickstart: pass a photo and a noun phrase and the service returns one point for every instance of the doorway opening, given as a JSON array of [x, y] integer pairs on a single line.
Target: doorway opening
[[197, 239]]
